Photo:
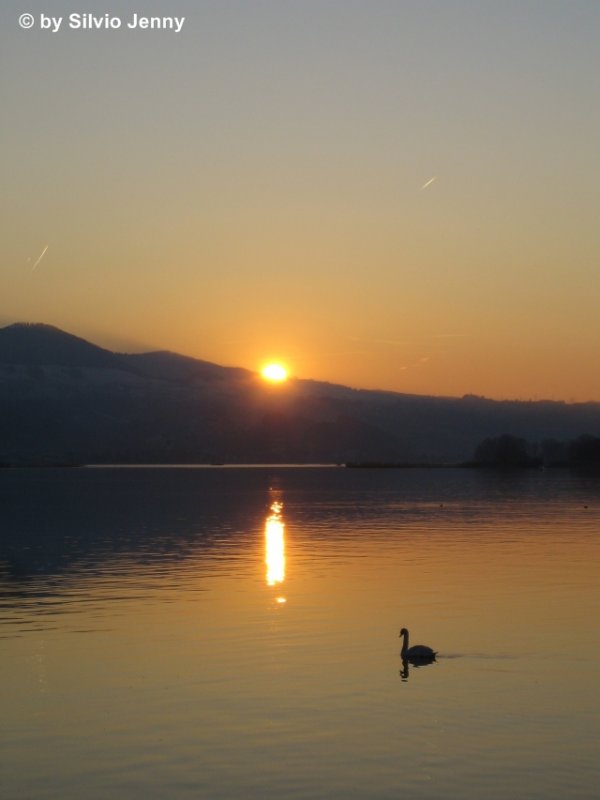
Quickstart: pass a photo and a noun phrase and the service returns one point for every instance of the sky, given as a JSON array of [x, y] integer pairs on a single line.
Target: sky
[[392, 194]]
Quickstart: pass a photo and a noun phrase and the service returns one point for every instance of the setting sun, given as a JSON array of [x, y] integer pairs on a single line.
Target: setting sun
[[276, 373]]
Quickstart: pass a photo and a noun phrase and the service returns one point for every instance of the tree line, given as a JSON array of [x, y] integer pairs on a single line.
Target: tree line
[[514, 451]]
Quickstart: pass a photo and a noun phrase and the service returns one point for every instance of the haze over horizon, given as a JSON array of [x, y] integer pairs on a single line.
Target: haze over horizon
[[393, 195]]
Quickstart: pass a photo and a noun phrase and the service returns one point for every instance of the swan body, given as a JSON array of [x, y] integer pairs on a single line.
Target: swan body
[[418, 653]]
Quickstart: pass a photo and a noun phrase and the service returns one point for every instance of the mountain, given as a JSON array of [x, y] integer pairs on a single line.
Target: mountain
[[66, 400], [23, 343]]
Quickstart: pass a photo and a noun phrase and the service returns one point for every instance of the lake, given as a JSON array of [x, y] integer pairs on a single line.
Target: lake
[[233, 633]]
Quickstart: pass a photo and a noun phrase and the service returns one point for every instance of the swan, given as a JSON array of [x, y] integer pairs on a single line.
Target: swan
[[418, 653]]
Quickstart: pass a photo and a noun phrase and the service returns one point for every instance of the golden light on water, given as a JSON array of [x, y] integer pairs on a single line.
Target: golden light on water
[[275, 547], [274, 372]]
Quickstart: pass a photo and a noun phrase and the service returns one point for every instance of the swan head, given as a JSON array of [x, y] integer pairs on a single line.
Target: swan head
[[403, 632]]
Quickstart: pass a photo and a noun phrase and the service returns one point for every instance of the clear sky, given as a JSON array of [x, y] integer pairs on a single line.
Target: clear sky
[[260, 185]]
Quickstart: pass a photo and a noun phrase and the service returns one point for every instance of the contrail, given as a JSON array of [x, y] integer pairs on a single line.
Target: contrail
[[42, 254], [428, 183]]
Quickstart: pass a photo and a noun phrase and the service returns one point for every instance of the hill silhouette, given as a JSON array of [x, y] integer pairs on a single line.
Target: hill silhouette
[[35, 344], [66, 400]]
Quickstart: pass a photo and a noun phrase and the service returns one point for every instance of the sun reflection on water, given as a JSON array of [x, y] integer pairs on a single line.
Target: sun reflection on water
[[275, 547]]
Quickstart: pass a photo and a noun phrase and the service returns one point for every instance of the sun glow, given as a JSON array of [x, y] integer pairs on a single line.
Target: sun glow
[[274, 372]]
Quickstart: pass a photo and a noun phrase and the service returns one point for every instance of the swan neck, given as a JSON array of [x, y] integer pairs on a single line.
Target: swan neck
[[404, 642]]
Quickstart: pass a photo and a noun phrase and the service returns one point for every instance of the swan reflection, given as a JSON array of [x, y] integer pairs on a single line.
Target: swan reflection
[[407, 663], [275, 547]]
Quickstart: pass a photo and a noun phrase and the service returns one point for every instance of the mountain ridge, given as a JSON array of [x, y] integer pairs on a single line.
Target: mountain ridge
[[64, 399]]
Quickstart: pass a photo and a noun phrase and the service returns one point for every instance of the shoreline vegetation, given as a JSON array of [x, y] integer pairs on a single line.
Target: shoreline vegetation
[[502, 453]]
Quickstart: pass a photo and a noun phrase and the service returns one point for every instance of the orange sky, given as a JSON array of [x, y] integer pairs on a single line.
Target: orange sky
[[260, 186]]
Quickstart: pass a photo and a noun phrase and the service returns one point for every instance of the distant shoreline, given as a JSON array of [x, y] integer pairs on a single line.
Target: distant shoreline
[[265, 465], [379, 465]]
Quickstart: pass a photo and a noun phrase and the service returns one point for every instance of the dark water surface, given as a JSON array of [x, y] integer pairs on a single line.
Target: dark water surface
[[233, 633]]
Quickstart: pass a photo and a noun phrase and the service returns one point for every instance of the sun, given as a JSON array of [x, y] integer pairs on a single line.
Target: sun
[[274, 372]]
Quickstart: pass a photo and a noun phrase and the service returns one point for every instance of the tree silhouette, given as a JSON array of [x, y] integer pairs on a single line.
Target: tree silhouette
[[505, 451], [585, 452]]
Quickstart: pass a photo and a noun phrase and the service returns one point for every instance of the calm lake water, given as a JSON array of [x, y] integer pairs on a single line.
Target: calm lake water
[[233, 633]]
